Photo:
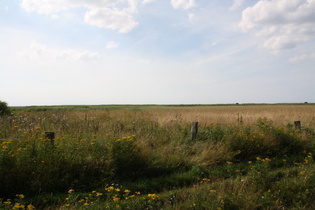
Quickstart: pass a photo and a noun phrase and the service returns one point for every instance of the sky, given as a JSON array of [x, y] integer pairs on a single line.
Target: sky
[[73, 52]]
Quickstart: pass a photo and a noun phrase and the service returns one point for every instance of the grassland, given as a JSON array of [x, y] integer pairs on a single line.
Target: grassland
[[142, 157]]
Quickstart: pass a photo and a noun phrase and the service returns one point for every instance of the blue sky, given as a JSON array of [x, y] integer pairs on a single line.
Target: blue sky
[[156, 51]]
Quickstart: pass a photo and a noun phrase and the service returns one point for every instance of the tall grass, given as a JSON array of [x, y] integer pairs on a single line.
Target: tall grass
[[103, 157]]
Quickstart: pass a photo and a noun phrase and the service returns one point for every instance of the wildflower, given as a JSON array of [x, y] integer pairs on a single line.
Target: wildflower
[[117, 189], [115, 199], [20, 196], [284, 160], [212, 191], [80, 201], [71, 191], [99, 194], [30, 207], [18, 206], [86, 204], [8, 202], [108, 189], [127, 191], [302, 172], [138, 193], [228, 162], [153, 196]]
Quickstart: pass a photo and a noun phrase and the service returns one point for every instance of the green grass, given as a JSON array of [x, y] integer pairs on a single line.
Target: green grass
[[124, 158]]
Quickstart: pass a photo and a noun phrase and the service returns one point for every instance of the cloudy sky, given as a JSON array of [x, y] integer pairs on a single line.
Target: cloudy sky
[[55, 52]]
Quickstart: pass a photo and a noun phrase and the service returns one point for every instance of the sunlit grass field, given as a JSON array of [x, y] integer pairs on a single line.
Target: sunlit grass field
[[143, 157]]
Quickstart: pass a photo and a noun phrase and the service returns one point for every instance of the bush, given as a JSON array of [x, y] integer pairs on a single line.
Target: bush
[[4, 109]]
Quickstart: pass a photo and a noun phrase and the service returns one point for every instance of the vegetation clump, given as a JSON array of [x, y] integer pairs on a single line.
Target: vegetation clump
[[4, 109]]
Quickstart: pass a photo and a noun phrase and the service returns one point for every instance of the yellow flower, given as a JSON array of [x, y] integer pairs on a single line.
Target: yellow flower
[[302, 172], [99, 194], [117, 189], [212, 191], [138, 193], [30, 207], [115, 199], [153, 196], [20, 196], [86, 204], [8, 202], [18, 206], [71, 191], [127, 191], [228, 162]]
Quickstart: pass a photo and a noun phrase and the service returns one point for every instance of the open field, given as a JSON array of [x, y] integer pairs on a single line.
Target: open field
[[142, 157]]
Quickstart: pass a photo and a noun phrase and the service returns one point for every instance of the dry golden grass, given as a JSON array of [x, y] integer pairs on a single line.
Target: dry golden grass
[[280, 114]]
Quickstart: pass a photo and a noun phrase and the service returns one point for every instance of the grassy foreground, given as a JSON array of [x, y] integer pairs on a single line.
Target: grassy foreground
[[142, 157]]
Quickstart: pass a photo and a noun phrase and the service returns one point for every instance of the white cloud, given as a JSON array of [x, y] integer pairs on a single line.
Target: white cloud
[[111, 14], [43, 53], [282, 24], [110, 18], [147, 1], [303, 57], [183, 4], [192, 17], [111, 45], [236, 4]]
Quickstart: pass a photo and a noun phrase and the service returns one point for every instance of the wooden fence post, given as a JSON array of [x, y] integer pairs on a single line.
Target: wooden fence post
[[194, 130], [297, 124], [50, 135]]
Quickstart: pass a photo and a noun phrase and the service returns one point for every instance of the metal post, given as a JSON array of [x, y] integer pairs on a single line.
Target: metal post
[[297, 124], [50, 135]]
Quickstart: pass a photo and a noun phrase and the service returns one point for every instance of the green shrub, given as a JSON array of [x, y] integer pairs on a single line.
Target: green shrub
[[4, 109]]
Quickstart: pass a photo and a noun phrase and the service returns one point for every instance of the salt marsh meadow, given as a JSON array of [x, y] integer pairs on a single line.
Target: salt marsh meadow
[[143, 157]]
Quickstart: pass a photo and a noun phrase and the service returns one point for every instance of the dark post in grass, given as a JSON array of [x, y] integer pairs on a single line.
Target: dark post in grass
[[50, 135], [297, 124], [194, 130]]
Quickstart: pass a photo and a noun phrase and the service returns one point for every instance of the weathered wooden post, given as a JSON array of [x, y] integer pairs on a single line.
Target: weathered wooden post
[[297, 124], [50, 135], [194, 130]]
